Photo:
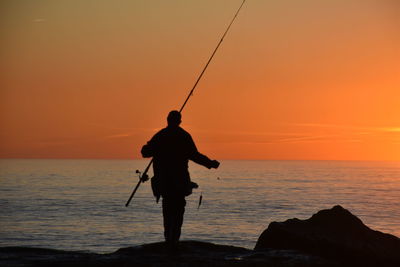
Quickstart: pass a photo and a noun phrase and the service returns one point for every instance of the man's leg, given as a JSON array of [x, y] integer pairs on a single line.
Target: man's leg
[[179, 211], [167, 216], [173, 211]]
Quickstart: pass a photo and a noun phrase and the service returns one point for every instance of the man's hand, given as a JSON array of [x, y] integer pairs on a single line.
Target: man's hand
[[214, 164]]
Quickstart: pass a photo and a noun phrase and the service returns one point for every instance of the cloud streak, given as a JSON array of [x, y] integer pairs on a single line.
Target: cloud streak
[[348, 127], [307, 133]]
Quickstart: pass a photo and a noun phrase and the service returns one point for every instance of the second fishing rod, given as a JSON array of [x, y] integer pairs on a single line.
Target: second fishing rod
[[143, 177]]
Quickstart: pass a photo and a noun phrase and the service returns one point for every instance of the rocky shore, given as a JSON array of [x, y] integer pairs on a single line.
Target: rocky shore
[[333, 237], [192, 253]]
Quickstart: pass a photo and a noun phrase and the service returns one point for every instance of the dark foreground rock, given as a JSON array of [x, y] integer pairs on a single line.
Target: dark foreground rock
[[336, 234], [192, 253], [332, 237]]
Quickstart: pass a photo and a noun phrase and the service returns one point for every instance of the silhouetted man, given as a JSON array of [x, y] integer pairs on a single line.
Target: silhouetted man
[[171, 149]]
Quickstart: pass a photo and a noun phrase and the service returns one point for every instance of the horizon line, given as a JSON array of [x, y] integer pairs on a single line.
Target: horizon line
[[228, 159]]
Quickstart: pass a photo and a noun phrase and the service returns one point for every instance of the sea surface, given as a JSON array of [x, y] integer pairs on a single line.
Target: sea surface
[[80, 204]]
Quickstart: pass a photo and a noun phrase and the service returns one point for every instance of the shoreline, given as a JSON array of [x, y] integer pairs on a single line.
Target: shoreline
[[191, 253], [332, 237]]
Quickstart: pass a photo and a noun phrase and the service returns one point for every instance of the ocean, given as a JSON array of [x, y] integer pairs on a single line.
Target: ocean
[[80, 204]]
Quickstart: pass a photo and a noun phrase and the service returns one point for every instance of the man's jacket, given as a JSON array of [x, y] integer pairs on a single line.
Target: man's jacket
[[171, 149]]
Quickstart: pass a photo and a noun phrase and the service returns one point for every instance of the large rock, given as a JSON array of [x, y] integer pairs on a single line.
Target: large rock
[[333, 233]]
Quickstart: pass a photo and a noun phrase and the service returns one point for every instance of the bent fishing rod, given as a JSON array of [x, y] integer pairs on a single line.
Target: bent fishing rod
[[143, 177]]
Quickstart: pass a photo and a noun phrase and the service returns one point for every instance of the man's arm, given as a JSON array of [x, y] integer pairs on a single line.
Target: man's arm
[[199, 158], [147, 150], [204, 160]]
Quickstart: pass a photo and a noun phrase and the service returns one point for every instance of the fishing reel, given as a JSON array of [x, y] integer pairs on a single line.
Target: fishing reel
[[142, 177]]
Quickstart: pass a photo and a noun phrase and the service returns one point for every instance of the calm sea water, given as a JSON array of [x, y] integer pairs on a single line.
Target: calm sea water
[[80, 204]]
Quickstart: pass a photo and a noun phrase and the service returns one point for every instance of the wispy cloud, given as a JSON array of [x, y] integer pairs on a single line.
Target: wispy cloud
[[122, 135], [301, 133], [136, 129], [320, 138], [307, 139], [39, 20], [52, 143], [391, 129], [366, 129]]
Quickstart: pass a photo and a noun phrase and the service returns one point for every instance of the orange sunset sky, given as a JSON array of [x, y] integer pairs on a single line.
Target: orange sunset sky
[[292, 80]]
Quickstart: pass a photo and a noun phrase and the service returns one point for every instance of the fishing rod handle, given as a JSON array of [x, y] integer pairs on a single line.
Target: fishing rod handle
[[142, 178]]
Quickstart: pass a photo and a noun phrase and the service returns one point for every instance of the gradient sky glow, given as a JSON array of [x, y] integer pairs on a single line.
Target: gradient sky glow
[[292, 80]]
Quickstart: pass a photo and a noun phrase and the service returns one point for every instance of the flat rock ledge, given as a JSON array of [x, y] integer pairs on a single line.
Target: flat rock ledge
[[191, 253]]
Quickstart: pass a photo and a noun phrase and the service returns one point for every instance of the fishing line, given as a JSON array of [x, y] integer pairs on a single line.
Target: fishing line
[[144, 177], [212, 55]]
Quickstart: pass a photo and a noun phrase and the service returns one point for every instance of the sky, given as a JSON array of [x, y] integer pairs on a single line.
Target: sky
[[293, 80]]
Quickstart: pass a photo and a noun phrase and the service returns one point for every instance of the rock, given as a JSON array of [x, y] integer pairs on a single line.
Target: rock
[[192, 253], [333, 233], [331, 238], [29, 256]]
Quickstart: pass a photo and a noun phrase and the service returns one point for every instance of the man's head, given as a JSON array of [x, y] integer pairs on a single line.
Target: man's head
[[174, 118]]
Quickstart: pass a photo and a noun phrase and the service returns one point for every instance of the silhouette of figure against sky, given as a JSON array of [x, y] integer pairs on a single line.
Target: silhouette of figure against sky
[[171, 149]]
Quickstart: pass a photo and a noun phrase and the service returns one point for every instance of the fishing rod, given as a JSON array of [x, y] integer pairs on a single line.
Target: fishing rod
[[143, 177]]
